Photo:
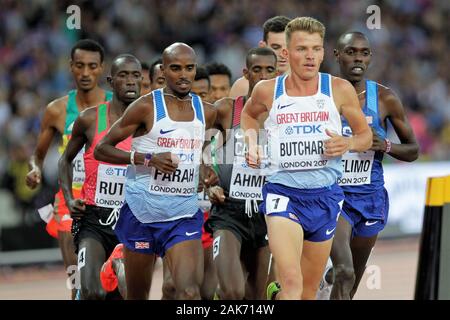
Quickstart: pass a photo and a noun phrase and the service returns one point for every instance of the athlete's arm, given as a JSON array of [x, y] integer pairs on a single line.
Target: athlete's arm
[[207, 175], [224, 109], [347, 102], [408, 149], [138, 114], [257, 105], [65, 171], [239, 88], [46, 134]]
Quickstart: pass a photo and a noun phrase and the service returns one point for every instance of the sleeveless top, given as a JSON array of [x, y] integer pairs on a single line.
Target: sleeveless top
[[296, 134], [363, 172], [104, 185], [152, 195]]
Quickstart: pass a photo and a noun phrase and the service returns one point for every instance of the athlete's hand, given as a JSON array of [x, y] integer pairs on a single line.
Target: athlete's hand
[[337, 145], [216, 195], [253, 156], [77, 207], [208, 176], [166, 162], [378, 144], [33, 178]]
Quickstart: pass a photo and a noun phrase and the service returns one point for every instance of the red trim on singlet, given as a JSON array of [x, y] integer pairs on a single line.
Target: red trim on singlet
[[91, 164], [238, 106]]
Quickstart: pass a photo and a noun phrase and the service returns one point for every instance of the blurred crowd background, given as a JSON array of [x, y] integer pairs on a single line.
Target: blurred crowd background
[[411, 55]]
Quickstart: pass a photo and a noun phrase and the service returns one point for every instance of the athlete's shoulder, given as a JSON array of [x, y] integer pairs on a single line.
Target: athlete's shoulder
[[143, 102], [57, 107], [59, 104], [88, 115], [265, 86], [210, 111], [385, 93], [225, 102], [341, 84]]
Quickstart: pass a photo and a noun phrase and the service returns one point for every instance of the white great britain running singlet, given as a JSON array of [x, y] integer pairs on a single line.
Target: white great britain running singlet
[[296, 134], [154, 196]]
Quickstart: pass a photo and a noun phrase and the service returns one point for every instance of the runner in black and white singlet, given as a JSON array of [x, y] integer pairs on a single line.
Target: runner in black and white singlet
[[241, 254]]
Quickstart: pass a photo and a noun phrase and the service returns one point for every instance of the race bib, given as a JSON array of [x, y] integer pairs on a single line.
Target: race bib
[[246, 182], [78, 174], [109, 192], [203, 201], [182, 182], [356, 168], [300, 153]]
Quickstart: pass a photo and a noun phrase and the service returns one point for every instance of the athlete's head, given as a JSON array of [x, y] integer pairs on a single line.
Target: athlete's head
[[179, 67], [126, 78], [261, 64], [145, 85], [273, 37], [156, 75], [304, 39], [353, 55], [86, 63], [201, 85], [220, 78]]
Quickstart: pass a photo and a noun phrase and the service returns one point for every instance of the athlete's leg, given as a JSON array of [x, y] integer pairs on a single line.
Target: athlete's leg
[[286, 244], [256, 263], [65, 241], [314, 260], [361, 249], [210, 279], [341, 255], [185, 261], [91, 256], [138, 273], [168, 287], [228, 264]]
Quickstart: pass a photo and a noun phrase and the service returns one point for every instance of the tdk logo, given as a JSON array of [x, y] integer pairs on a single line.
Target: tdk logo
[[308, 129], [116, 171], [186, 157], [289, 130]]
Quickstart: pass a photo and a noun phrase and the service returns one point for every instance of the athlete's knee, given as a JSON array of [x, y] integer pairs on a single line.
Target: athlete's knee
[[291, 284], [344, 274], [168, 290], [191, 292], [291, 278], [233, 291]]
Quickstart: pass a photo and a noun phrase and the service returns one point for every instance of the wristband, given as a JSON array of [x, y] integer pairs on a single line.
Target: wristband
[[132, 157], [147, 159], [388, 145]]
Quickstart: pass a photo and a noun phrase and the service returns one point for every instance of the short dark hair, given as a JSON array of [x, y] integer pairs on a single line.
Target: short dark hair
[[152, 67], [202, 73], [145, 66], [88, 45], [258, 51], [124, 56], [275, 24], [218, 68]]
